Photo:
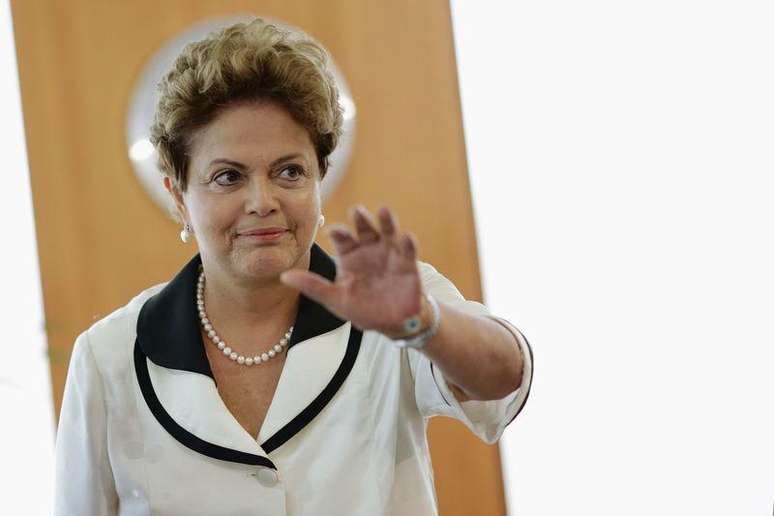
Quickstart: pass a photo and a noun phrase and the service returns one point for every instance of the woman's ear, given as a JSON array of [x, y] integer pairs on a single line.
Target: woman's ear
[[177, 196]]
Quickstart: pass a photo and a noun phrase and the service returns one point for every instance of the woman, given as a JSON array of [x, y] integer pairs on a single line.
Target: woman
[[267, 378]]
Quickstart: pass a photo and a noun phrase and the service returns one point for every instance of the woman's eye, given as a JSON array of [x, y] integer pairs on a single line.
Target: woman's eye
[[292, 173], [227, 177]]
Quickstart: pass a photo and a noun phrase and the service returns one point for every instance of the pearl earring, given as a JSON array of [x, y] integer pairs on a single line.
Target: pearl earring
[[185, 233], [322, 220]]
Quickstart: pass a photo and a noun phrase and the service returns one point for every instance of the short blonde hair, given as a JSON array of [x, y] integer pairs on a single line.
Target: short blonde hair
[[245, 62]]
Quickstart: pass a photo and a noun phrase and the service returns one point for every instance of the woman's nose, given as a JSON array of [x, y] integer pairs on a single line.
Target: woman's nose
[[261, 198]]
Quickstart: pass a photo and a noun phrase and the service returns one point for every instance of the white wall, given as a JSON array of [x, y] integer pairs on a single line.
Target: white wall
[[27, 428], [622, 168]]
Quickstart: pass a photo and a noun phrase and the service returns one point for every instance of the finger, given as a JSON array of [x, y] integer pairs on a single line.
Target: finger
[[342, 239], [311, 285], [388, 223], [408, 246], [366, 230]]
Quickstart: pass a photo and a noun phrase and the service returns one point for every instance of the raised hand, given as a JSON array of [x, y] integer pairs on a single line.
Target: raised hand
[[377, 284]]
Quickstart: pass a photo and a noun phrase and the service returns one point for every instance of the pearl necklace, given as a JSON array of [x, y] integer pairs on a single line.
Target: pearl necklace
[[231, 354]]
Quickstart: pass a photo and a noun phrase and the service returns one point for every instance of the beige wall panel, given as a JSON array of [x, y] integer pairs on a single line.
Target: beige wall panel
[[100, 238]]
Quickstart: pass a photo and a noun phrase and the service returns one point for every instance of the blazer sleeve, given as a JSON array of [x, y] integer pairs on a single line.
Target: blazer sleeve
[[84, 479], [486, 419]]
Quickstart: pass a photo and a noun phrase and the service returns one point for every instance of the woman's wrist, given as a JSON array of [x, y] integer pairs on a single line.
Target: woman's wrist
[[417, 330]]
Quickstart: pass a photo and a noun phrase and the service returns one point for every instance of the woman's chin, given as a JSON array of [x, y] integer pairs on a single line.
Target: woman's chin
[[265, 262]]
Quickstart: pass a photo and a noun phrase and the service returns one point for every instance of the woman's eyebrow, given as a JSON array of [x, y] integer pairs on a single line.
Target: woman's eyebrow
[[285, 158], [236, 164], [223, 161]]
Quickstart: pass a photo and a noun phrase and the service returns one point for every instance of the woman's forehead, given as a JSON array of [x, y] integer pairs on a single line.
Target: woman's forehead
[[252, 131]]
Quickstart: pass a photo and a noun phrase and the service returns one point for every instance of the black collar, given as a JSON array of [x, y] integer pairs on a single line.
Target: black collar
[[168, 324]]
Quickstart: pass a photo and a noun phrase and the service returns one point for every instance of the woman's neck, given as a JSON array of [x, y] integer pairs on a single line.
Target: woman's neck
[[249, 311], [250, 301]]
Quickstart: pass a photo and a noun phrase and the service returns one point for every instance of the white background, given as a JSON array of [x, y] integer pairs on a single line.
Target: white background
[[622, 165], [27, 428]]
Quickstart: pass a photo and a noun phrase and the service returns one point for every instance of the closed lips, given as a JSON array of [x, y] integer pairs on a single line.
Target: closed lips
[[262, 232]]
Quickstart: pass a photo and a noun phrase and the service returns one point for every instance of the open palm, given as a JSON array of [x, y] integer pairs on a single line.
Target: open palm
[[377, 284]]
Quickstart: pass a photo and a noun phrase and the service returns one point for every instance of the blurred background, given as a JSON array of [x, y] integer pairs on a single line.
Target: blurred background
[[600, 173]]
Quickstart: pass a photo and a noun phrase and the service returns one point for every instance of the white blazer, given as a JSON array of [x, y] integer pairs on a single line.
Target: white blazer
[[144, 431]]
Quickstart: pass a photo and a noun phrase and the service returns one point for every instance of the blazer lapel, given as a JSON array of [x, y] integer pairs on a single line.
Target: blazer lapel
[[309, 368], [192, 400]]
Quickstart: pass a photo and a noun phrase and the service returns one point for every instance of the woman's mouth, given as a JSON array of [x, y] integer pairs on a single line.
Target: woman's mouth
[[263, 234]]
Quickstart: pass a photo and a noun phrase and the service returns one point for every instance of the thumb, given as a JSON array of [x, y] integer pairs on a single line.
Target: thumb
[[311, 285]]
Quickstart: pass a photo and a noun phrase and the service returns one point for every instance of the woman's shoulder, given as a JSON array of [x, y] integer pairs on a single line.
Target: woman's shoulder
[[429, 274], [440, 287], [112, 337]]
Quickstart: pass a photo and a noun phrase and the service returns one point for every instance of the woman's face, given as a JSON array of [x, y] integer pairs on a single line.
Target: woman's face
[[253, 196]]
